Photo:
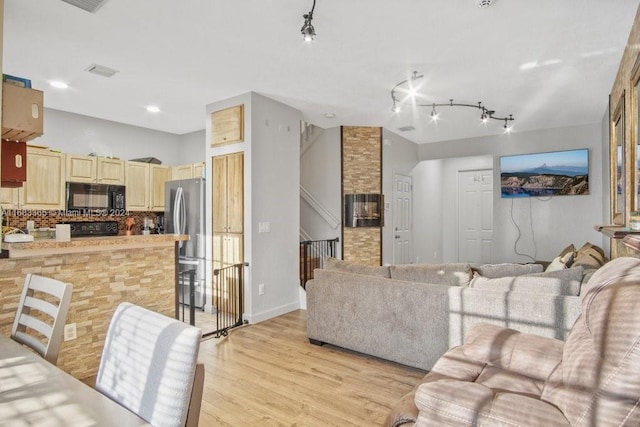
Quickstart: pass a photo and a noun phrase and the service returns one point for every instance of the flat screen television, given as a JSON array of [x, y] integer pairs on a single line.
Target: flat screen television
[[556, 173]]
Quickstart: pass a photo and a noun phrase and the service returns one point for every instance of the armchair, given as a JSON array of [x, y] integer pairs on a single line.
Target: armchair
[[500, 376]]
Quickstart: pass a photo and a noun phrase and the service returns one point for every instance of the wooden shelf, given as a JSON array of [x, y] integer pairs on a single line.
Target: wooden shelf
[[615, 231]]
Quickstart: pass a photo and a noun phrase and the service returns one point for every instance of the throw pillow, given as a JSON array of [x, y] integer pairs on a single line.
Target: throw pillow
[[561, 262], [453, 274], [562, 282], [368, 270], [506, 270], [590, 256]]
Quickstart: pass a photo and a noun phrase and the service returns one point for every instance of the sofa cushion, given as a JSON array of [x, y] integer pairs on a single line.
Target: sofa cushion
[[435, 274], [504, 270], [561, 282], [368, 270]]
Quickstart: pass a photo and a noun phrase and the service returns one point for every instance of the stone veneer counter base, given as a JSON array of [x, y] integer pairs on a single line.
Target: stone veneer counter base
[[104, 272], [89, 244]]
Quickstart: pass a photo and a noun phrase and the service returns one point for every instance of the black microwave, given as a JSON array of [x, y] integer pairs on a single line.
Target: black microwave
[[107, 198]]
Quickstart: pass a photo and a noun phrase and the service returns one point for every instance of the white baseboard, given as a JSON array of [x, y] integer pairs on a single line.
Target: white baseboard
[[278, 311]]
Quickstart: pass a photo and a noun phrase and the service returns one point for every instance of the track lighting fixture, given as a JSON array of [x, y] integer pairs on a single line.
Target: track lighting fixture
[[407, 86], [307, 30]]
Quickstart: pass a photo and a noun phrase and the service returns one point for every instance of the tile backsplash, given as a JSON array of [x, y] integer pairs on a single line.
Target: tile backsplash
[[44, 218]]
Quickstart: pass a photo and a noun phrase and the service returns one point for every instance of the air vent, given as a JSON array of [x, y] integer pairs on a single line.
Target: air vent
[[101, 70], [484, 3], [88, 5], [406, 128]]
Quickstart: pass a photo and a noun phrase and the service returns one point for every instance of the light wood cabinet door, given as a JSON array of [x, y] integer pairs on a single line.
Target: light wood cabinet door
[[227, 126], [110, 171], [198, 170], [45, 185], [181, 172], [137, 186], [227, 175], [219, 194], [9, 198], [235, 193], [80, 168], [159, 175]]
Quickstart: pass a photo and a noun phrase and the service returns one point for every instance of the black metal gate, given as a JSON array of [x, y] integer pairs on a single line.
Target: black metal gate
[[228, 298], [312, 255]]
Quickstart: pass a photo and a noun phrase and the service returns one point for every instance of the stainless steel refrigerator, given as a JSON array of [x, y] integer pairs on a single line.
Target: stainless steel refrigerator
[[185, 214]]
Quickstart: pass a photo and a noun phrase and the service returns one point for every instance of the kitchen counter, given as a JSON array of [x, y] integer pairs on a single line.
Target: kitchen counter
[[89, 244], [104, 271]]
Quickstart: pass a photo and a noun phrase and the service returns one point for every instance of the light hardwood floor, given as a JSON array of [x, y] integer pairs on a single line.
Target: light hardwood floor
[[268, 374]]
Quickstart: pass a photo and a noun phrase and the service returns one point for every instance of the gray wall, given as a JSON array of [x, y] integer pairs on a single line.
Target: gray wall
[[434, 169], [78, 134], [272, 181], [556, 222], [399, 156], [320, 175]]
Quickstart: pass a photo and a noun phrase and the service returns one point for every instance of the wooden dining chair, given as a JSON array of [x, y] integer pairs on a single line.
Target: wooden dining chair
[[41, 315], [150, 366]]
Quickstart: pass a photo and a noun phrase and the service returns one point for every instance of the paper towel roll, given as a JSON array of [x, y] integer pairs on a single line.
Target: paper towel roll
[[63, 232]]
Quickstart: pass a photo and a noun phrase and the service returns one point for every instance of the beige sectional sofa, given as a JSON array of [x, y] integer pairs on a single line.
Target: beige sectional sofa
[[411, 314]]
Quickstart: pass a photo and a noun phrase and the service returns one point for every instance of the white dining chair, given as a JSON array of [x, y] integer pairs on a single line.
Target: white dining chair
[[150, 366], [41, 315]]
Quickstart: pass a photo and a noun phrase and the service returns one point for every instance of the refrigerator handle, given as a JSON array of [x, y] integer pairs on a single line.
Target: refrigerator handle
[[176, 213], [183, 213]]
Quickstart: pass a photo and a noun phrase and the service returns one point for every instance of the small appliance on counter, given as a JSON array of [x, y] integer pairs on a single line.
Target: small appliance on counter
[[159, 224]]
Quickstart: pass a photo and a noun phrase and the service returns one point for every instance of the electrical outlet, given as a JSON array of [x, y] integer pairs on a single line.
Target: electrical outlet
[[261, 289], [70, 332]]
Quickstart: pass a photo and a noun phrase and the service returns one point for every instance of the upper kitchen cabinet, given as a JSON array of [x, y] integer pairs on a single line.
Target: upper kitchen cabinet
[[198, 170], [158, 175], [181, 172], [137, 186], [193, 170], [103, 170], [227, 126], [145, 186], [21, 113], [44, 187]]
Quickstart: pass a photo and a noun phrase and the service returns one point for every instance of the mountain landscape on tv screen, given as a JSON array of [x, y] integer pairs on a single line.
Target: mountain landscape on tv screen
[[546, 180]]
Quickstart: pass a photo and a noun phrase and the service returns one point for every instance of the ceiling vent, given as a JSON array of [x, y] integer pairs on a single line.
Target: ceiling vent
[[88, 5], [101, 70], [484, 3], [406, 128]]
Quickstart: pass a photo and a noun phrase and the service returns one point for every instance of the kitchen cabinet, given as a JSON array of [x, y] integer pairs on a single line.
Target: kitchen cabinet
[[137, 186], [104, 170], [188, 171], [228, 193], [10, 198], [45, 184], [198, 170], [158, 176], [181, 172], [145, 186], [227, 126], [21, 113], [228, 209]]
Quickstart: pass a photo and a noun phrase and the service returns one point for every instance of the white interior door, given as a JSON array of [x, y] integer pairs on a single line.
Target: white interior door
[[402, 221], [475, 216]]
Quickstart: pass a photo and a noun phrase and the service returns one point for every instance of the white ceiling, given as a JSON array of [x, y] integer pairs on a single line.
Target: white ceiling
[[550, 63]]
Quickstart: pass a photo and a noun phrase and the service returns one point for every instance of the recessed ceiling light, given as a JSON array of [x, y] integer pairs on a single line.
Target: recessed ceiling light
[[330, 115], [58, 84], [153, 108]]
